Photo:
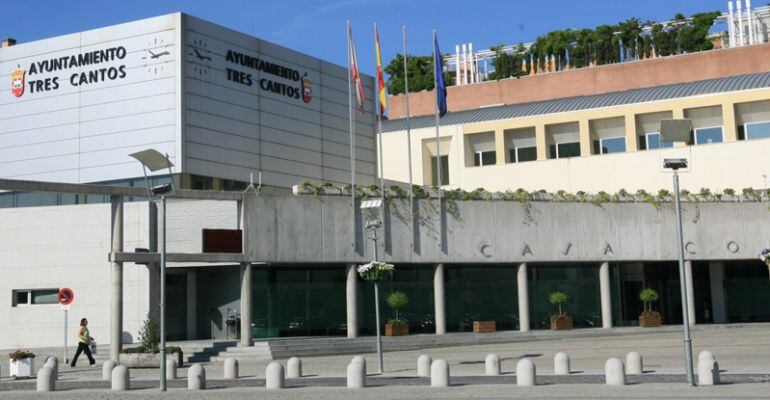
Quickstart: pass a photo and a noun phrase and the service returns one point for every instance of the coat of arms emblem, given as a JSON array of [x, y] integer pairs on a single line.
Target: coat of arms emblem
[[17, 82], [307, 90]]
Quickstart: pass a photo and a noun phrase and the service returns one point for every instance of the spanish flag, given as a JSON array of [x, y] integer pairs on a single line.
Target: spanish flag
[[382, 90]]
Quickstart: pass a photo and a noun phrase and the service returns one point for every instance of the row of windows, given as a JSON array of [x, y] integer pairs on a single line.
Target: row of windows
[[29, 297]]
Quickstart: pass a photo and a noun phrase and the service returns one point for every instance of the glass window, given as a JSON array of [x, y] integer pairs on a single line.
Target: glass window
[[201, 182], [484, 158], [613, 145], [564, 150], [757, 130], [653, 141], [708, 135], [524, 154], [444, 170], [48, 296], [21, 297]]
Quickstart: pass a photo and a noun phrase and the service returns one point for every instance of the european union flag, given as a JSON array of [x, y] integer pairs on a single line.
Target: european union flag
[[439, 77]]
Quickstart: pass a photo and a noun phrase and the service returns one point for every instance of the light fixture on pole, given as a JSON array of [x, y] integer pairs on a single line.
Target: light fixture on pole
[[678, 130], [154, 160], [372, 225]]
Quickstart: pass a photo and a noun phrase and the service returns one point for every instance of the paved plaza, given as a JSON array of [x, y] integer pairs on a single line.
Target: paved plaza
[[743, 353]]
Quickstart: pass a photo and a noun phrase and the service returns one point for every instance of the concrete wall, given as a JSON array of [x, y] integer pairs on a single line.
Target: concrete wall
[[67, 246], [322, 229], [587, 81], [732, 164]]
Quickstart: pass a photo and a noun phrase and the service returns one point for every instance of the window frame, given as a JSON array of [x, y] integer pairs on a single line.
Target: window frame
[[516, 153], [695, 134], [746, 132], [480, 155], [601, 144], [647, 141], [29, 292], [557, 144]]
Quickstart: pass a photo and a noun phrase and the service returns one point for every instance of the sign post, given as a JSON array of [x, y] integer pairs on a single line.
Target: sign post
[[65, 297]]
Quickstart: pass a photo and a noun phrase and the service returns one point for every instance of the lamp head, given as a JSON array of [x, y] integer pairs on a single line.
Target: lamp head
[[675, 163]]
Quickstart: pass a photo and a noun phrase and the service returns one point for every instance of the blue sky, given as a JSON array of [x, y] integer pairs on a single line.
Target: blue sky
[[318, 27]]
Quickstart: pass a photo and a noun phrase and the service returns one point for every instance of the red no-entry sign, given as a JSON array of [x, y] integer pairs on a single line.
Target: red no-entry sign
[[65, 296]]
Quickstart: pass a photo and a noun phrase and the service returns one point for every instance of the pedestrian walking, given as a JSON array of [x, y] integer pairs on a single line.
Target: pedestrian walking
[[84, 337]]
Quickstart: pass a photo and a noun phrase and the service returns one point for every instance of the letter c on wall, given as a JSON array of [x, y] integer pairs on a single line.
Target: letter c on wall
[[687, 247]]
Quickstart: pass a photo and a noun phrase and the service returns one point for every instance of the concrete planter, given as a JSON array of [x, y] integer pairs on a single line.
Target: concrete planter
[[561, 324], [396, 330], [24, 368], [650, 321], [148, 360]]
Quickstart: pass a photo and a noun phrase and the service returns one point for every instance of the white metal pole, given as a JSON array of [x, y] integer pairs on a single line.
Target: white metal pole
[[408, 125], [458, 82], [66, 351], [750, 21], [377, 305], [435, 89], [465, 64], [683, 284], [351, 118], [473, 68], [379, 133], [163, 295], [739, 9], [730, 24]]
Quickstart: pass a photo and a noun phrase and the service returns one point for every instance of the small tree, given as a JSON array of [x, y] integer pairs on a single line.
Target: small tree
[[558, 298], [397, 300], [150, 335], [648, 295]]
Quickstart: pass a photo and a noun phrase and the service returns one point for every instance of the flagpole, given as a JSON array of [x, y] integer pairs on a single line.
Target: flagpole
[[408, 125], [351, 118], [435, 89], [377, 106]]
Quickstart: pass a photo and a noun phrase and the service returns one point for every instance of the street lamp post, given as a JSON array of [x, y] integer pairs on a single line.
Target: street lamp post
[[154, 160], [678, 130], [373, 225]]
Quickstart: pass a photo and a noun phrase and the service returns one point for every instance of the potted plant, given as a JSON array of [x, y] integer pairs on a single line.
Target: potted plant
[[148, 354], [22, 364], [649, 318], [560, 321], [397, 326]]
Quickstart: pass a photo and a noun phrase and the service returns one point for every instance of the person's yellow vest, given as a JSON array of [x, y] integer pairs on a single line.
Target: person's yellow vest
[[83, 335]]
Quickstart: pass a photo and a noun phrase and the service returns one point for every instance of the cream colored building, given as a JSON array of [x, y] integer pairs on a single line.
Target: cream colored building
[[602, 142]]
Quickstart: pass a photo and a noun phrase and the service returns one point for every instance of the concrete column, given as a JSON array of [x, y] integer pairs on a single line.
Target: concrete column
[[500, 147], [438, 299], [632, 143], [604, 289], [585, 137], [351, 291], [541, 142], [116, 314], [523, 292], [246, 297], [728, 122], [192, 305], [718, 305], [690, 291]]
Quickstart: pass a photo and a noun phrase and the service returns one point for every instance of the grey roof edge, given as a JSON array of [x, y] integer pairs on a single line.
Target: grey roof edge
[[579, 103]]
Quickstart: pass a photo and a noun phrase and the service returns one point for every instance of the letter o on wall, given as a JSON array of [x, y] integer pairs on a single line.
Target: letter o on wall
[[733, 247], [486, 250]]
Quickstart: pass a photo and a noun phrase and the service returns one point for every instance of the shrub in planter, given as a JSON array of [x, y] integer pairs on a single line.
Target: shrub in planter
[[148, 354], [397, 326], [649, 318], [560, 320], [22, 364]]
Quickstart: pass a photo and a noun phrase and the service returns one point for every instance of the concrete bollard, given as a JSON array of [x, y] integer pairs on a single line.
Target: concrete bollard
[[526, 373], [492, 365], [423, 366], [705, 354], [561, 364], [439, 374], [121, 379], [634, 364], [53, 362], [614, 373], [356, 375], [362, 360], [171, 368], [45, 380], [274, 376], [294, 368], [107, 368], [708, 372], [231, 368], [196, 377]]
